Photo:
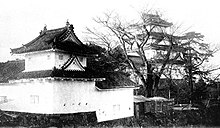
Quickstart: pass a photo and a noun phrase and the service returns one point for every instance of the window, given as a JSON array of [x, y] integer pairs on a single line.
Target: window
[[80, 58], [60, 57], [34, 99], [116, 108], [48, 57], [3, 99]]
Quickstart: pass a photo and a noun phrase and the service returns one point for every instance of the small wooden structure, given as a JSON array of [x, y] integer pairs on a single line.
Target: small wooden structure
[[139, 106], [158, 104], [144, 105]]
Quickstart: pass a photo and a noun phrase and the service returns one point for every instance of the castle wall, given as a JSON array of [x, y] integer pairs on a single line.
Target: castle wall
[[33, 96], [114, 104], [49, 96], [76, 96]]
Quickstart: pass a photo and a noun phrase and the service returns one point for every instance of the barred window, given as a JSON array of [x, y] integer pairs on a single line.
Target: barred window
[[80, 59], [116, 108], [34, 99], [3, 99], [60, 57]]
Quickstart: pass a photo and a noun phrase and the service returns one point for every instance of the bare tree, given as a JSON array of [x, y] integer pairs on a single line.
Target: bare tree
[[149, 32]]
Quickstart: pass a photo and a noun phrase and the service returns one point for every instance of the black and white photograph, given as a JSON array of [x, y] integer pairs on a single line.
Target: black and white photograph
[[109, 63]]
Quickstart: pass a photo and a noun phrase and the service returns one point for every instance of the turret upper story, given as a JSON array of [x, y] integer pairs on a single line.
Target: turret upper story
[[47, 60], [59, 48]]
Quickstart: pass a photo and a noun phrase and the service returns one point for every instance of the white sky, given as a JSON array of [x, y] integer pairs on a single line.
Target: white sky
[[22, 20]]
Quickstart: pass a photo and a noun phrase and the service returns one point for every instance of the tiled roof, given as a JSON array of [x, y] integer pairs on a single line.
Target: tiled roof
[[60, 39], [115, 80], [111, 79], [58, 73], [9, 69]]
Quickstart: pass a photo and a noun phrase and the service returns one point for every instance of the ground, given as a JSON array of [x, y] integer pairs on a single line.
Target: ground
[[207, 117]]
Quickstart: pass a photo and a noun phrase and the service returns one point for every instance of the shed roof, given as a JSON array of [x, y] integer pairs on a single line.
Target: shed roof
[[157, 99], [61, 39], [139, 99]]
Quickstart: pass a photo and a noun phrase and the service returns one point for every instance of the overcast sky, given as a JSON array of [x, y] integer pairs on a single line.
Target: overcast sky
[[22, 20]]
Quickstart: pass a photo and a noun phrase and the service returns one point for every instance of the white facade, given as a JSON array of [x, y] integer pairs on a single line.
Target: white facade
[[37, 61], [33, 96], [49, 96], [47, 60], [74, 96], [114, 104]]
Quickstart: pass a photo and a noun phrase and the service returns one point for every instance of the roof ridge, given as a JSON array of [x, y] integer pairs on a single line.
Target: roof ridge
[[32, 41], [39, 36], [62, 28], [63, 38]]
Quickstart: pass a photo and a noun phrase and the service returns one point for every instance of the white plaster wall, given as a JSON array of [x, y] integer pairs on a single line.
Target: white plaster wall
[[59, 63], [74, 96], [114, 104], [19, 97], [39, 61], [47, 60], [60, 97]]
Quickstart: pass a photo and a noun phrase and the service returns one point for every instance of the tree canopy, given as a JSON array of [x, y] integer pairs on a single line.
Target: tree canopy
[[172, 52]]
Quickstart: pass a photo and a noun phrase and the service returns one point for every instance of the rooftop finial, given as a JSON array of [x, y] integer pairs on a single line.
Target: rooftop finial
[[45, 27], [67, 23], [71, 27]]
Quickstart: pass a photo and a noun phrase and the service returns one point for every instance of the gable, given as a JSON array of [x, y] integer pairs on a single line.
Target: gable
[[75, 65], [69, 36], [70, 62]]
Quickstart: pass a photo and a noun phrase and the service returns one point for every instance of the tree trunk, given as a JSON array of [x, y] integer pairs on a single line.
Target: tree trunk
[[150, 83]]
